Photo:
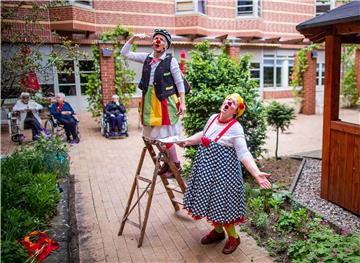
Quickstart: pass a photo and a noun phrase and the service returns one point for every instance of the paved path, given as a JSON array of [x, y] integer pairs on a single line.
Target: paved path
[[104, 171]]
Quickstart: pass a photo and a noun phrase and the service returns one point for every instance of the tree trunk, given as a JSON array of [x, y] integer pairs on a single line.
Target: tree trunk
[[277, 143]]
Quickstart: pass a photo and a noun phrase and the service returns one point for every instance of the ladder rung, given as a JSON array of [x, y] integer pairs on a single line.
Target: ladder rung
[[176, 200], [143, 179], [175, 188], [133, 223]]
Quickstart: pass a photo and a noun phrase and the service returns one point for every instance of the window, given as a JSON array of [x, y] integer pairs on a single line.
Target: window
[[320, 74], [80, 2], [255, 72], [277, 71], [66, 78], [190, 6], [86, 67], [323, 6], [248, 7]]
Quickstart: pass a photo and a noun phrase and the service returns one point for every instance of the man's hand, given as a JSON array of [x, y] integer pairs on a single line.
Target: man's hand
[[182, 109], [262, 180], [141, 36]]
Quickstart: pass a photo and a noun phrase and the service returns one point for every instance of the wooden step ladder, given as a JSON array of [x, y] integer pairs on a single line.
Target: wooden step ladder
[[162, 156]]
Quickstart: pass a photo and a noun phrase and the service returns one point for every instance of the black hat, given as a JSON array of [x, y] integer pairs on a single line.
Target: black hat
[[164, 33]]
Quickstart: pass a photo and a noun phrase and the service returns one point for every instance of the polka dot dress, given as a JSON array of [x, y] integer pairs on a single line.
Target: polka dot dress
[[216, 189]]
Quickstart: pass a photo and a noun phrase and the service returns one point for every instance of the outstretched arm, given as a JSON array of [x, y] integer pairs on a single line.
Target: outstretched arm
[[192, 140], [260, 177], [135, 56]]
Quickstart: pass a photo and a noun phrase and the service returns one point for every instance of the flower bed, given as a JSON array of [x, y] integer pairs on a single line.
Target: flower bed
[[29, 193], [292, 233]]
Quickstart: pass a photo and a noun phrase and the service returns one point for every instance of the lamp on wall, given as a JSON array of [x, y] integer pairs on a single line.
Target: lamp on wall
[[314, 54], [107, 52]]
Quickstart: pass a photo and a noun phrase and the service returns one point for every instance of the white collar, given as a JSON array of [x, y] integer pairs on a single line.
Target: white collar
[[162, 57]]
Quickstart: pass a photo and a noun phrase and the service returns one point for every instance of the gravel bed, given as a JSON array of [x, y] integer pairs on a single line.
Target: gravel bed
[[307, 193]]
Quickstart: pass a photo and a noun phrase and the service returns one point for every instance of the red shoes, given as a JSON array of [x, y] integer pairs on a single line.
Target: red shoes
[[231, 244], [212, 237]]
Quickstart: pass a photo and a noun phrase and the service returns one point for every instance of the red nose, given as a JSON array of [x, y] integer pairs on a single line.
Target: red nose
[[158, 41]]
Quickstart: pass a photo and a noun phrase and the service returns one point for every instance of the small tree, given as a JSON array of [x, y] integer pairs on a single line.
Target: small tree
[[279, 116]]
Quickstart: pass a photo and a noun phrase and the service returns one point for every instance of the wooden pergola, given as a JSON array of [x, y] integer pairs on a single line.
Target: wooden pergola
[[340, 179]]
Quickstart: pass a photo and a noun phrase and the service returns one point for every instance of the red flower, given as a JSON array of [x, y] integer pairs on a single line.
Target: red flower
[[241, 106]]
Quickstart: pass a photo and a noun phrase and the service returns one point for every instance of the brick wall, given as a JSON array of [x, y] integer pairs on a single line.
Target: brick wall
[[310, 86], [281, 94], [107, 72], [233, 51]]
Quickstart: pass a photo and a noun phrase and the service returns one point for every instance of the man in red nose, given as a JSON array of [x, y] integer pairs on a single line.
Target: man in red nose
[[163, 92]]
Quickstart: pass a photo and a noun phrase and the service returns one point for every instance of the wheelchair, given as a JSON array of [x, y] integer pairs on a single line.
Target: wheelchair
[[106, 129], [14, 127], [57, 129]]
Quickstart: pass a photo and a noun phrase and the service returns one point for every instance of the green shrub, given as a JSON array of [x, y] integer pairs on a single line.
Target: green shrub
[[326, 246], [348, 85], [12, 251], [212, 77], [29, 193]]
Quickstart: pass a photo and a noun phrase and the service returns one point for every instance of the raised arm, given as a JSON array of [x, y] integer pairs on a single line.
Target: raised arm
[[135, 56]]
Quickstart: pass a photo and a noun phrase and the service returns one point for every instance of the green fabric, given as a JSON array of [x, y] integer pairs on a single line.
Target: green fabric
[[147, 106], [230, 230], [219, 229], [172, 109]]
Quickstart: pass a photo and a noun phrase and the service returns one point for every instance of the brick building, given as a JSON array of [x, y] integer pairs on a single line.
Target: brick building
[[264, 28]]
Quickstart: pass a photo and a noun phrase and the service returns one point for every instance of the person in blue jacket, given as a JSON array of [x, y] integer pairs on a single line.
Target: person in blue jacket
[[63, 112]]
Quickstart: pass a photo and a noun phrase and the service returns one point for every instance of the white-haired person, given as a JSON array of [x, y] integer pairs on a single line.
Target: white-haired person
[[216, 189], [64, 114], [163, 91], [115, 111], [29, 114]]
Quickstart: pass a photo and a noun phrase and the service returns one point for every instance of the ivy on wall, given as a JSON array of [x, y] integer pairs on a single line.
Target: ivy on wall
[[300, 67], [124, 76]]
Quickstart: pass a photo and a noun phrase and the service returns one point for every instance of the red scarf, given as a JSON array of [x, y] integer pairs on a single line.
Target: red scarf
[[59, 107]]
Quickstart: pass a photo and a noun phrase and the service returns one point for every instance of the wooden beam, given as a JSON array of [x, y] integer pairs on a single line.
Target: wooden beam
[[331, 103], [351, 39], [348, 28], [291, 40]]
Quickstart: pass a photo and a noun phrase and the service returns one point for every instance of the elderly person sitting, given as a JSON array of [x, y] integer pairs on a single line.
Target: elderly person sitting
[[29, 114], [115, 111], [63, 112]]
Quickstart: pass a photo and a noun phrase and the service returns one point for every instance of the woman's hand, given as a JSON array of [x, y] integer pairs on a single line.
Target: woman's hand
[[183, 143], [262, 180]]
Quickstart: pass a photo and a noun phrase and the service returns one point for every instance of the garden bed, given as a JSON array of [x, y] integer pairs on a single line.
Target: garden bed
[[30, 193], [290, 232]]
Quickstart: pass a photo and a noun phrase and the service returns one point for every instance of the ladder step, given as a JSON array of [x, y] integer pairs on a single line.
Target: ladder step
[[176, 200], [133, 223], [143, 179], [174, 188]]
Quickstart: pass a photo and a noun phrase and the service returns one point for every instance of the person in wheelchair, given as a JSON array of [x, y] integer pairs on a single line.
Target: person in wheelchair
[[29, 115], [64, 114], [115, 111]]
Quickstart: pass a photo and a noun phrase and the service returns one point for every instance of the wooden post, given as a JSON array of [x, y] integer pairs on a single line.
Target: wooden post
[[331, 103]]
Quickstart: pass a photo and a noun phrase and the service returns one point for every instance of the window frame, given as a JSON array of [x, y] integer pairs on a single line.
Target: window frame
[[195, 7], [284, 66], [255, 12], [332, 4]]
